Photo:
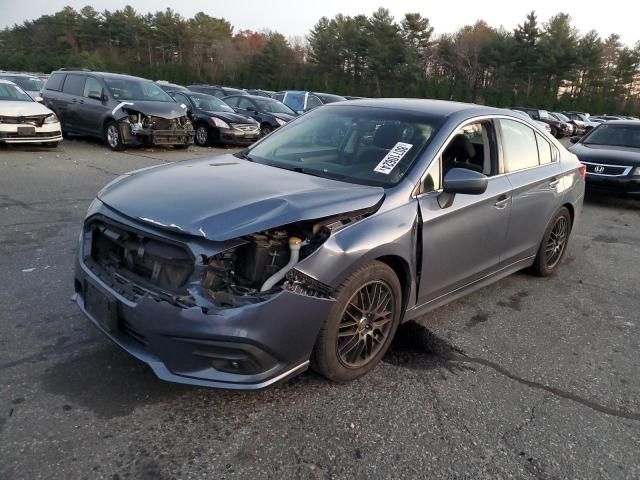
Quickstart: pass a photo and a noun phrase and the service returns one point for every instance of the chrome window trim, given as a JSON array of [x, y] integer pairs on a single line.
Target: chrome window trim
[[627, 169], [416, 189]]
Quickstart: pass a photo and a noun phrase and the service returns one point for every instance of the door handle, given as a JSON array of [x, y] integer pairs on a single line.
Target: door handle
[[74, 100], [554, 183], [81, 101], [501, 202]]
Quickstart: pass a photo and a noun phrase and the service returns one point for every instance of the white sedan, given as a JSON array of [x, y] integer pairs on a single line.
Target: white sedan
[[22, 120]]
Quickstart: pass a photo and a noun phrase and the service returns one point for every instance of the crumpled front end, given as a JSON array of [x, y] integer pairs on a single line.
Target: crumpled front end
[[138, 128], [197, 311]]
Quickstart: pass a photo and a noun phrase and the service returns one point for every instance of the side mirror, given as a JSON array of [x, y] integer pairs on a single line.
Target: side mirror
[[461, 181], [96, 95], [574, 139]]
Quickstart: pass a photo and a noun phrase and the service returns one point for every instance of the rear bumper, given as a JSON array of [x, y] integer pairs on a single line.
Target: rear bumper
[[625, 185], [196, 346]]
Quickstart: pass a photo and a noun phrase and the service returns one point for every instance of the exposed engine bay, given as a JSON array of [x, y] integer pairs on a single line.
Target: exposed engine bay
[[265, 263], [139, 128]]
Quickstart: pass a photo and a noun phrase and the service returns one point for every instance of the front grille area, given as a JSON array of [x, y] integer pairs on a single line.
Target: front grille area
[[35, 120], [245, 127], [158, 123], [609, 170], [129, 258]]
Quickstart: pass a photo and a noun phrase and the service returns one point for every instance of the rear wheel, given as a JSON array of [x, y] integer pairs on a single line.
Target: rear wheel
[[202, 137], [553, 245], [112, 136], [361, 324]]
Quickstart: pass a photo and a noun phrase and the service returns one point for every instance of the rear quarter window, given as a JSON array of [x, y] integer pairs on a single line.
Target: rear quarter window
[[55, 82]]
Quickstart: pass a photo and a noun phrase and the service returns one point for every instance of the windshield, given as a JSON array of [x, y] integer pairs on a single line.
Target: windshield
[[614, 135], [273, 106], [209, 103], [13, 93], [561, 117], [30, 84], [132, 89], [544, 115], [361, 145]]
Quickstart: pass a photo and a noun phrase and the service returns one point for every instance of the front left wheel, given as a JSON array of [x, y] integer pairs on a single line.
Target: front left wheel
[[202, 137], [361, 324]]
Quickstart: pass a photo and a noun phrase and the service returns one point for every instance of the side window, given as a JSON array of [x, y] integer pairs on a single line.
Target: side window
[[232, 101], [55, 82], [545, 150], [279, 96], [74, 84], [245, 103], [313, 102], [181, 98], [92, 86], [519, 146], [473, 148], [216, 92]]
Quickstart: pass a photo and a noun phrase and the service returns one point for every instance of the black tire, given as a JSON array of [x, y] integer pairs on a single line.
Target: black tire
[[266, 129], [553, 245], [113, 136], [202, 135], [370, 335], [554, 132], [50, 144]]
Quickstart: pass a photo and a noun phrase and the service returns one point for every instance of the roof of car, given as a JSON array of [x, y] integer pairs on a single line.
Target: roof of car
[[104, 74], [434, 107], [2, 80]]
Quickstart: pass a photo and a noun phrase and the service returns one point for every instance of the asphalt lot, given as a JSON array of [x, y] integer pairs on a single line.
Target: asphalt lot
[[528, 378]]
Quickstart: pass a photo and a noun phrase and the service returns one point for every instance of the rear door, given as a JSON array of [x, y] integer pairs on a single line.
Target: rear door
[[52, 94], [531, 165], [72, 90]]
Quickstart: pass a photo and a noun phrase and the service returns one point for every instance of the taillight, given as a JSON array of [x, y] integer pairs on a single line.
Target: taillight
[[583, 170]]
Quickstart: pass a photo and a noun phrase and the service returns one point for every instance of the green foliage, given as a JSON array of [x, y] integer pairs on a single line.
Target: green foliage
[[549, 66]]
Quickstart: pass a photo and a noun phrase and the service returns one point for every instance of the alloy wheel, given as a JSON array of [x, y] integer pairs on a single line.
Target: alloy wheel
[[365, 324], [202, 135], [113, 136], [557, 242]]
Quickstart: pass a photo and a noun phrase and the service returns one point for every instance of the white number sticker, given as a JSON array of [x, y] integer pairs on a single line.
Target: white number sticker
[[391, 159]]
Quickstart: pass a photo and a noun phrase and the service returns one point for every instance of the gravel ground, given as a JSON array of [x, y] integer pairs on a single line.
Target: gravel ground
[[528, 378]]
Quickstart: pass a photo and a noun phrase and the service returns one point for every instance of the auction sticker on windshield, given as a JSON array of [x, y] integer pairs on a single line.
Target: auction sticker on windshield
[[391, 159]]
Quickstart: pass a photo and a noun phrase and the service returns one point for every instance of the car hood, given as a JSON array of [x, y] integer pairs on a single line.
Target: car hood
[[22, 109], [231, 117], [283, 116], [606, 154], [227, 197], [168, 110]]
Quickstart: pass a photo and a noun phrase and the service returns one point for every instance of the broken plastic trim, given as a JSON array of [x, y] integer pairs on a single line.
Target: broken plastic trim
[[302, 284]]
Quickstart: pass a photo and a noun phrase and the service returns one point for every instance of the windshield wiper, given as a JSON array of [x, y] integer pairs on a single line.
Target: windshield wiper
[[244, 155]]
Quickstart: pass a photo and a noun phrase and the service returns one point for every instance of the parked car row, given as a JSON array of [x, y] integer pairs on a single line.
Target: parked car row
[[130, 111]]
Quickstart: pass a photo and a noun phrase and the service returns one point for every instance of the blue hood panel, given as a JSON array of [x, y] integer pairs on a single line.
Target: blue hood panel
[[227, 197]]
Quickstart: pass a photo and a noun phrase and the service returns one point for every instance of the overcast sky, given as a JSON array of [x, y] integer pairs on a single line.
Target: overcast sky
[[296, 17]]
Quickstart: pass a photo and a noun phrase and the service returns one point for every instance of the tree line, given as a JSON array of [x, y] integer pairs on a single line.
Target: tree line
[[543, 64]]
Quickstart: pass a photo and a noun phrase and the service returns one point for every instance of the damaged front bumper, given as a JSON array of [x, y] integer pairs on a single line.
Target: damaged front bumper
[[157, 131], [246, 347]]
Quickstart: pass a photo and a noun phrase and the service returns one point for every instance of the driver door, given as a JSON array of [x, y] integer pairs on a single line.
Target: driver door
[[464, 242]]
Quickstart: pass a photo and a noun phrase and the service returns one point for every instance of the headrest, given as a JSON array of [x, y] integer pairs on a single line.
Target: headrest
[[461, 146], [387, 136]]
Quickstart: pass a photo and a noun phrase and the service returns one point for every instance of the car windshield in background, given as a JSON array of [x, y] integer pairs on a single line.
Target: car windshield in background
[[295, 101], [615, 135], [13, 94], [27, 83], [273, 106], [561, 117], [210, 104], [129, 89], [352, 144]]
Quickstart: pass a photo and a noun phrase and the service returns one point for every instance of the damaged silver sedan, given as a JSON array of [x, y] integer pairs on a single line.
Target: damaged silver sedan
[[314, 244]]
